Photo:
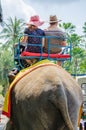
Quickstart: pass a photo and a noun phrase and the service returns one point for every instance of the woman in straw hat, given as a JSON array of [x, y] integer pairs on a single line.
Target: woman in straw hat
[[33, 29]]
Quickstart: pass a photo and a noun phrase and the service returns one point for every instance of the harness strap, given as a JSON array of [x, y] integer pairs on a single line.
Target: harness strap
[[80, 114]]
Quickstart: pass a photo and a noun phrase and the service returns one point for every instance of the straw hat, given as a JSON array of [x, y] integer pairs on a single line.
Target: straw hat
[[35, 20], [53, 19]]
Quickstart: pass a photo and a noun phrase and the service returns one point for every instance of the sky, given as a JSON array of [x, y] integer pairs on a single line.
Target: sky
[[67, 10]]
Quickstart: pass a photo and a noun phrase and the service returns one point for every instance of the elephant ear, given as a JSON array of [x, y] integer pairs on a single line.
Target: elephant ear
[[59, 99]]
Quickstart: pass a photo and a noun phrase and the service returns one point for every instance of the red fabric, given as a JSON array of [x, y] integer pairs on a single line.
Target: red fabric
[[45, 55]]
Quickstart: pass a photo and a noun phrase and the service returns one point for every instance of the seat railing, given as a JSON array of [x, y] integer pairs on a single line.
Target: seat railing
[[66, 53]]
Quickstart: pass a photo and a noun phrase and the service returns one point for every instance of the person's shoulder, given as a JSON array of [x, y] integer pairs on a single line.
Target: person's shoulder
[[26, 30], [61, 32], [46, 29], [57, 31], [40, 30]]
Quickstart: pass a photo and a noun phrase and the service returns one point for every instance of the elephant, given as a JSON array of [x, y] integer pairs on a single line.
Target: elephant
[[48, 98]]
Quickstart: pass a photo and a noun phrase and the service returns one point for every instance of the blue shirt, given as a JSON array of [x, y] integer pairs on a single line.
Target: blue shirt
[[34, 40]]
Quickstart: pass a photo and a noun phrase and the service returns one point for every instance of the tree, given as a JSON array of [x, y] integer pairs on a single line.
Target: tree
[[11, 31], [68, 27], [6, 63], [10, 35], [84, 31], [77, 51], [84, 28]]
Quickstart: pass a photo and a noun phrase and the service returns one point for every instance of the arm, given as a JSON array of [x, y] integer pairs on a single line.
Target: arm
[[24, 39], [43, 42], [63, 43]]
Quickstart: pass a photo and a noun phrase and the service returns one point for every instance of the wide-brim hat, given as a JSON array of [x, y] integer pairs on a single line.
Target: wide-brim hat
[[53, 19], [35, 20]]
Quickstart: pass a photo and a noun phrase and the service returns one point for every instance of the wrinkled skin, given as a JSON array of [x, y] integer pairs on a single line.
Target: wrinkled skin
[[46, 99]]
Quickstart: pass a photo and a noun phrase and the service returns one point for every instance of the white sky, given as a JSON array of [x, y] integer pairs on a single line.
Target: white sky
[[67, 10]]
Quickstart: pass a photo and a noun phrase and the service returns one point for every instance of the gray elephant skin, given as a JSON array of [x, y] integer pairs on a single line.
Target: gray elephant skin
[[48, 98]]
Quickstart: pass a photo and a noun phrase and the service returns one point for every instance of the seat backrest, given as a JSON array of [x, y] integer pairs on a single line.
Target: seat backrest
[[56, 38]]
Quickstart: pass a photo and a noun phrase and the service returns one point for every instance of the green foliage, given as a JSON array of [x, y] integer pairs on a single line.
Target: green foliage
[[11, 31], [68, 27], [6, 64], [83, 65], [9, 34], [78, 63], [77, 52], [84, 28]]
